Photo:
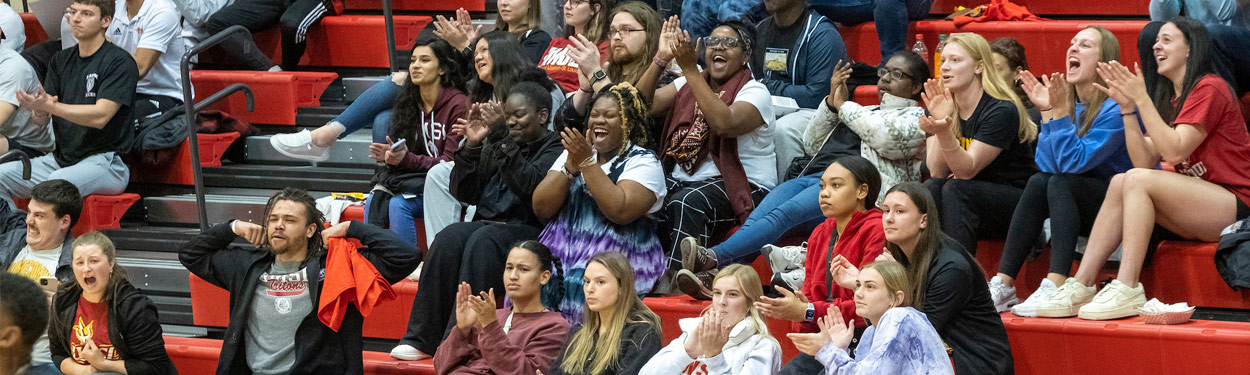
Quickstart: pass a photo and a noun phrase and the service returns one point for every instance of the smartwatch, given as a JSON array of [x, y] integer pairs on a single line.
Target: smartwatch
[[598, 76], [811, 312]]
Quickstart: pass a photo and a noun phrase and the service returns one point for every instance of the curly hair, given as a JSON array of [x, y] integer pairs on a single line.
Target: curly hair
[[635, 117]]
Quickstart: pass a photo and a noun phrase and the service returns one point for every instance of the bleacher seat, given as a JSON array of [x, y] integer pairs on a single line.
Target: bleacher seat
[[349, 41], [98, 211], [357, 213], [418, 5], [278, 95], [198, 356], [388, 321], [1045, 42], [177, 170], [1056, 7], [34, 30]]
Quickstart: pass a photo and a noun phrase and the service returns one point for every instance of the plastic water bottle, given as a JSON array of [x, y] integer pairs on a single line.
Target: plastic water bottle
[[919, 48], [937, 55]]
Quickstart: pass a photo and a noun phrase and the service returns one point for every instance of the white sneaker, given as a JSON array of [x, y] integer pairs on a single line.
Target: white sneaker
[[1004, 296], [792, 280], [1028, 308], [784, 258], [408, 353], [1067, 300], [299, 146], [1114, 302]]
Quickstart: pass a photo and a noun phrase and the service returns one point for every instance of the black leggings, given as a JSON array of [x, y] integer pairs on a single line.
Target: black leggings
[[295, 17], [1071, 201], [971, 207]]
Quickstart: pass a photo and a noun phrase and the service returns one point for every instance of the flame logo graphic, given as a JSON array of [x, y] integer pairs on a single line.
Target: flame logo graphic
[[83, 332]]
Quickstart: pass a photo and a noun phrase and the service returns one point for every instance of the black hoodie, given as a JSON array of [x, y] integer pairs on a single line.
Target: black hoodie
[[133, 326]]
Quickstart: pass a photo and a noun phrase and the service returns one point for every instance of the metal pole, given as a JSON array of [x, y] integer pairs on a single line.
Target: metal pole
[[389, 15]]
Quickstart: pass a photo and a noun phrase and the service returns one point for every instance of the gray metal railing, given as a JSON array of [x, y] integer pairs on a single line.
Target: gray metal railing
[[18, 155], [191, 110], [389, 15]]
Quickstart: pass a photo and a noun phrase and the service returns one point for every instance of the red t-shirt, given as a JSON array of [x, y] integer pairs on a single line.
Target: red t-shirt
[[1223, 158], [91, 322], [561, 67]]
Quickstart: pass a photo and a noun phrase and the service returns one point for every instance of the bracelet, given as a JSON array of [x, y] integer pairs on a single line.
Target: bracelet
[[662, 63], [588, 91], [943, 149], [1133, 113], [1045, 110]]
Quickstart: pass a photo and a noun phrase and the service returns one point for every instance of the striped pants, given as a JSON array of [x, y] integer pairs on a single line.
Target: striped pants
[[697, 209], [294, 17]]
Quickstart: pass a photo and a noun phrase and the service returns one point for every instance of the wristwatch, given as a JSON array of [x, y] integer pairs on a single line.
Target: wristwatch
[[598, 76], [811, 312]]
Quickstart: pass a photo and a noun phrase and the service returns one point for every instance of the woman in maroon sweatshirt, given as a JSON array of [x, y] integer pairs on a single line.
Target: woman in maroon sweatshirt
[[851, 233], [430, 101], [520, 339]]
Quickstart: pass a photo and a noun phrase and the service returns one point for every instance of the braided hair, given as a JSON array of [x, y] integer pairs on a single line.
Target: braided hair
[[635, 118]]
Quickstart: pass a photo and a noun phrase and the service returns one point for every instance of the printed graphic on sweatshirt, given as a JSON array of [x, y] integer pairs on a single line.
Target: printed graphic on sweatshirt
[[89, 326], [559, 59], [284, 287]]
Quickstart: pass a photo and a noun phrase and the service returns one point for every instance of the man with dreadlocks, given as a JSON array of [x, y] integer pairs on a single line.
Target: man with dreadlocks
[[600, 195], [274, 288]]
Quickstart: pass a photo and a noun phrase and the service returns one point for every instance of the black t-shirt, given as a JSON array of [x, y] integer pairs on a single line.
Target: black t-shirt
[[110, 73], [773, 49], [996, 123], [957, 303]]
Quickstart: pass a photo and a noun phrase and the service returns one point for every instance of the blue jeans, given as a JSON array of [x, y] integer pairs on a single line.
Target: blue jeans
[[792, 204], [891, 18], [700, 17], [374, 106], [403, 216]]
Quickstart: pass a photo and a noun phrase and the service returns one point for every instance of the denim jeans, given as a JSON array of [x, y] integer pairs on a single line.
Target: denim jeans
[[374, 106], [891, 18], [700, 17], [791, 204], [403, 215]]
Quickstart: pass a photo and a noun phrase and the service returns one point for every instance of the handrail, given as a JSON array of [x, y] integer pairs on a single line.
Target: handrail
[[389, 15], [18, 155], [197, 174]]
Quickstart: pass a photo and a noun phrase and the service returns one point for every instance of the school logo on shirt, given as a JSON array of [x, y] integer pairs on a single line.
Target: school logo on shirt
[[29, 269], [84, 332], [91, 78], [283, 287], [1195, 170], [695, 368]]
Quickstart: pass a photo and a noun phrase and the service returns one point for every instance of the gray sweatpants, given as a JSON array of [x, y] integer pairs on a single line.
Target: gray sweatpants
[[98, 174], [441, 209]]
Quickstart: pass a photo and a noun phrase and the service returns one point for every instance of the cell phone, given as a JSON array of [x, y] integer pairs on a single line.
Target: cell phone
[[395, 146], [49, 283]]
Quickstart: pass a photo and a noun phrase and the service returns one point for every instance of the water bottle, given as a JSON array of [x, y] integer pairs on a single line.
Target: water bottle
[[919, 48], [937, 55]]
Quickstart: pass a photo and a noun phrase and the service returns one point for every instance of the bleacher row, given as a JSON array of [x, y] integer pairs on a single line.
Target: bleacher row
[[1180, 271]]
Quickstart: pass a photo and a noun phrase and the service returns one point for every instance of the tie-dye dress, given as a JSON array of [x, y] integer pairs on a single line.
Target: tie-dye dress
[[581, 231]]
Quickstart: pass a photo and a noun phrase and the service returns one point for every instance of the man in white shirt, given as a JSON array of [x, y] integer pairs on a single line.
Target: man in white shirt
[[35, 245], [19, 130], [12, 29], [151, 31]]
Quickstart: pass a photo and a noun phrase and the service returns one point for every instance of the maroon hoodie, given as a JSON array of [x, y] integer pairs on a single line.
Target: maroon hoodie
[[436, 124]]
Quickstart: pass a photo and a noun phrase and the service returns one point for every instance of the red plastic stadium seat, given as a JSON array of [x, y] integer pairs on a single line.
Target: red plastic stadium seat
[[674, 308], [357, 213], [177, 170], [348, 41], [198, 356], [866, 95], [1044, 41], [378, 363], [98, 211], [34, 30], [1056, 7], [419, 5], [1183, 271], [388, 321], [278, 95]]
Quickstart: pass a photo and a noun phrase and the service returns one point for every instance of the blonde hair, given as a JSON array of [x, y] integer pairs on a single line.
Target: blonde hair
[[993, 84], [627, 309], [750, 283], [533, 19], [894, 276]]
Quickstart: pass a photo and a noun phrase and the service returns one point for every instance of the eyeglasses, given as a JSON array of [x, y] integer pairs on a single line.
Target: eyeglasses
[[714, 41], [573, 3], [893, 73], [624, 33]]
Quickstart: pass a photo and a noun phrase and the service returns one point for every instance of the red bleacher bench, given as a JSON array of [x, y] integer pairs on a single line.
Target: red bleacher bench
[[278, 95], [388, 321], [34, 30], [349, 41], [1045, 42], [418, 5], [98, 211], [674, 308], [357, 213], [177, 170], [198, 356], [1056, 7]]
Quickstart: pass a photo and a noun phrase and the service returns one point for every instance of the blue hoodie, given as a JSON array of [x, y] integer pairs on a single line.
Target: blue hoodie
[[810, 67], [1101, 152]]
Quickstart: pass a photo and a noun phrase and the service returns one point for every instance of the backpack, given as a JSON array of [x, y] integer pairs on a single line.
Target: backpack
[[1232, 256]]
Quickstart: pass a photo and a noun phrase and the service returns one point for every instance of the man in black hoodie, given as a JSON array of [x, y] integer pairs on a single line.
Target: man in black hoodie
[[274, 290]]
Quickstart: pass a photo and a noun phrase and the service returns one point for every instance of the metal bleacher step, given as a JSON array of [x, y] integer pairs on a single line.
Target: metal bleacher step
[[181, 209], [311, 178], [351, 151]]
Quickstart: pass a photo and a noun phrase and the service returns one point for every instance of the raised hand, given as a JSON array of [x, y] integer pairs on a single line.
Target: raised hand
[[715, 333], [668, 35], [938, 99], [253, 233], [686, 52], [834, 326], [1037, 92], [838, 91], [586, 54], [484, 307], [809, 343], [790, 306], [844, 273], [466, 316], [934, 125], [1113, 91]]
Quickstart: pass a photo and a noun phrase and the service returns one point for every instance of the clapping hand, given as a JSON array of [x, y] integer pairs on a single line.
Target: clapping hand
[[838, 91], [586, 54], [459, 31], [790, 306], [466, 316], [835, 327], [686, 53], [40, 101], [578, 147], [885, 256], [844, 273], [710, 336], [938, 99], [1123, 86], [668, 36], [934, 124], [484, 307], [477, 122]]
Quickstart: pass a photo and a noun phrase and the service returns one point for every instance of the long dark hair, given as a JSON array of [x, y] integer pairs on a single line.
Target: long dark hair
[[635, 117], [506, 61], [1198, 65], [553, 292], [407, 120], [865, 173], [651, 22], [927, 245]]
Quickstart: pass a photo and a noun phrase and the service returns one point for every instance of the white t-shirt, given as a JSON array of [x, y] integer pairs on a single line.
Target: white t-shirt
[[755, 149], [13, 28], [35, 265], [645, 170], [16, 74], [157, 27]]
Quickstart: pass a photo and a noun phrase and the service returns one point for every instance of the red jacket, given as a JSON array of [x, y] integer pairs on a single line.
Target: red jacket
[[861, 242], [350, 279]]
